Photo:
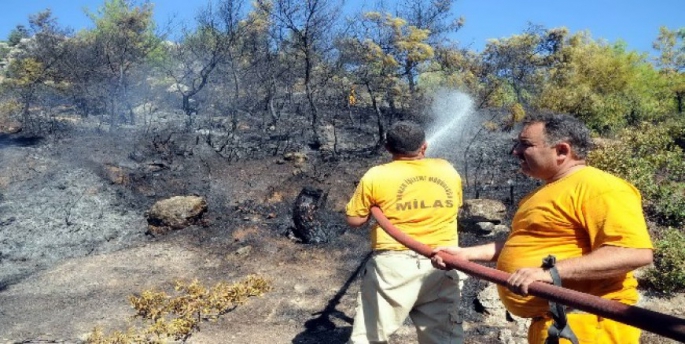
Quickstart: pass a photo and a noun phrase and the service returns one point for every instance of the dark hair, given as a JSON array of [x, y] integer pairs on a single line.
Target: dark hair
[[404, 138], [564, 128]]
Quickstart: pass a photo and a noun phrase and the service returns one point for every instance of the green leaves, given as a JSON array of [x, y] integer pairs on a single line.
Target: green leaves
[[668, 274], [603, 84], [648, 157]]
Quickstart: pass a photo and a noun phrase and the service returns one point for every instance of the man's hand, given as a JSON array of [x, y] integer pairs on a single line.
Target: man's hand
[[485, 253], [521, 279], [437, 261]]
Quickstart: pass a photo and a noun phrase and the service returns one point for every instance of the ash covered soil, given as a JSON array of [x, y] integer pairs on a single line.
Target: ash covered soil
[[74, 243]]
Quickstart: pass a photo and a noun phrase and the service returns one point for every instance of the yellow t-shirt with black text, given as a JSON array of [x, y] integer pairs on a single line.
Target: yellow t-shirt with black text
[[420, 197], [569, 218]]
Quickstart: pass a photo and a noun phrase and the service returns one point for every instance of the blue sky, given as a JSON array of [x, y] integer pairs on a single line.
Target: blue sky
[[635, 21]]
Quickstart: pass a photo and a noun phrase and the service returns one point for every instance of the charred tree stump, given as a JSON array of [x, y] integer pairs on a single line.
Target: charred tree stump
[[313, 223]]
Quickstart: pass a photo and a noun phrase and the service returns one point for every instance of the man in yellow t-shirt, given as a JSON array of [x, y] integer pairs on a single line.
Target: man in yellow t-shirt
[[421, 197], [589, 220]]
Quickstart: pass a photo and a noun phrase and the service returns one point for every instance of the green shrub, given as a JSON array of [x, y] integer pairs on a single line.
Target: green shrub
[[668, 273], [649, 158]]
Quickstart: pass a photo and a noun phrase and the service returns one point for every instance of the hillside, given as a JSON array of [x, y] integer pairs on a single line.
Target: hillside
[[74, 241]]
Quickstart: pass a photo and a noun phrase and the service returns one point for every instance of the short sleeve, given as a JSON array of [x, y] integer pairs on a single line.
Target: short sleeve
[[361, 202], [615, 218]]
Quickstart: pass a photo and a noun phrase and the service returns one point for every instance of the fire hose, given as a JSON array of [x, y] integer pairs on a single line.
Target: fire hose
[[662, 324]]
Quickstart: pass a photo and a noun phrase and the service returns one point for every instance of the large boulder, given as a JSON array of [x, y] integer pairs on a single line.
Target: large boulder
[[177, 212], [482, 216]]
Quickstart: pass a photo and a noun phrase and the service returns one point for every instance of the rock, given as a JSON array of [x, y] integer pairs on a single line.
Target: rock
[[475, 211], [10, 127], [485, 227], [244, 251], [175, 213], [298, 158], [116, 175]]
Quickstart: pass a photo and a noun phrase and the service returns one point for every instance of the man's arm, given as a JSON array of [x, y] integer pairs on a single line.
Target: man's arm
[[484, 253], [605, 262], [356, 221]]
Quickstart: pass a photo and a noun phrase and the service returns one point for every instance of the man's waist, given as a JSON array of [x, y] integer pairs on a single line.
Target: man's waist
[[567, 310], [406, 252]]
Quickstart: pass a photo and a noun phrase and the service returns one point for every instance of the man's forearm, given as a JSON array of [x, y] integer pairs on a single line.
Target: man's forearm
[[605, 262], [356, 221], [484, 253]]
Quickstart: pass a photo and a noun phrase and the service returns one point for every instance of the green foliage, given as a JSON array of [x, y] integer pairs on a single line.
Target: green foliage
[[453, 69], [648, 157], [605, 85], [671, 44], [517, 113], [515, 68], [4, 51], [668, 273], [177, 316], [25, 72], [124, 34], [406, 42], [17, 34]]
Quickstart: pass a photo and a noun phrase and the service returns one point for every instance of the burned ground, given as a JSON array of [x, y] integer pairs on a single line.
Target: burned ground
[[73, 242]]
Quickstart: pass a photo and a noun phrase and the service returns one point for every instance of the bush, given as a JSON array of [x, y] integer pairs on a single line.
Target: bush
[[649, 158], [177, 316], [668, 274]]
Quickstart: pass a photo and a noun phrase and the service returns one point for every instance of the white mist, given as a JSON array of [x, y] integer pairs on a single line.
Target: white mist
[[452, 112]]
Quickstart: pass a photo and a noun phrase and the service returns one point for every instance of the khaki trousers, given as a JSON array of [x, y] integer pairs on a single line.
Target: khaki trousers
[[401, 284]]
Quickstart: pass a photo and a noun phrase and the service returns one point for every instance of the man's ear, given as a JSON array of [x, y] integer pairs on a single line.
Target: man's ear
[[564, 150]]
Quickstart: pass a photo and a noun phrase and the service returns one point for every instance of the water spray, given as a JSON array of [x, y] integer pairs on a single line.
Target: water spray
[[451, 111]]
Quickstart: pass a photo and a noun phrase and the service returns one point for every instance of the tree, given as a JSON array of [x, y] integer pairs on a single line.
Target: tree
[[213, 42], [373, 53], [17, 34], [123, 39], [304, 26], [433, 18], [516, 66], [30, 71], [671, 62], [605, 85], [264, 65]]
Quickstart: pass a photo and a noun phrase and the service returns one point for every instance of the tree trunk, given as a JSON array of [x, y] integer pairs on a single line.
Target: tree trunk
[[313, 224]]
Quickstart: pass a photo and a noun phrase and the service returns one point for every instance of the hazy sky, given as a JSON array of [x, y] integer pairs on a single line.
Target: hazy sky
[[635, 21]]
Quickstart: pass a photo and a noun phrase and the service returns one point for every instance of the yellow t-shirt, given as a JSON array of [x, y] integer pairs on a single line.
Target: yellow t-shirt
[[420, 197], [569, 218]]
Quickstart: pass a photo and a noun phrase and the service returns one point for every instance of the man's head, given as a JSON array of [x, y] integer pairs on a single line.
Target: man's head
[[405, 139], [550, 144]]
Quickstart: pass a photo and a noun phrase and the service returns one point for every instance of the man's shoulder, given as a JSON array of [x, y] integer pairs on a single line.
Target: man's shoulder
[[378, 170], [438, 162], [603, 180]]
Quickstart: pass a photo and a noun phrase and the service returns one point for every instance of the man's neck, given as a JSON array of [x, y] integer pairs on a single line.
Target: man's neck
[[407, 157], [567, 169]]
